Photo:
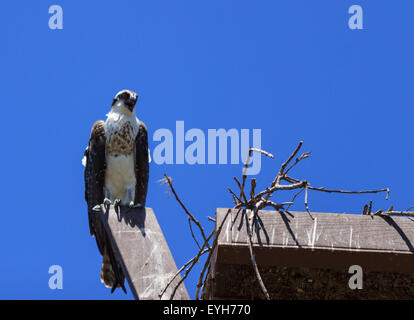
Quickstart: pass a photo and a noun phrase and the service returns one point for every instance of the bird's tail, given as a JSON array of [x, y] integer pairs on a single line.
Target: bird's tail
[[107, 273], [108, 276]]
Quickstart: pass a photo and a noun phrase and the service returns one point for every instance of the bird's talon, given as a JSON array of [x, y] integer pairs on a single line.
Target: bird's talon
[[107, 202], [97, 208]]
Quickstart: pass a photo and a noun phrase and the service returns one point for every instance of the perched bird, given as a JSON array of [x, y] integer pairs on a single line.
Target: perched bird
[[116, 172]]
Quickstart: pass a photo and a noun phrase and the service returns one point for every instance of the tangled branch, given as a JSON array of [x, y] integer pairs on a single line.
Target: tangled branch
[[386, 213], [253, 203], [259, 201]]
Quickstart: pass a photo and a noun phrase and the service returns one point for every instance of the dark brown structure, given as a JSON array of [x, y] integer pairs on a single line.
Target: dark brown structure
[[301, 258], [144, 254]]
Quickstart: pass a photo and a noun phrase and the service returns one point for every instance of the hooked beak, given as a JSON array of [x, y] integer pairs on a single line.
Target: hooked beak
[[131, 103]]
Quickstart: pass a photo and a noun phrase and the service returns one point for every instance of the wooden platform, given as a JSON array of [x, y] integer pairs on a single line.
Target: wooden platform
[[330, 242], [144, 254]]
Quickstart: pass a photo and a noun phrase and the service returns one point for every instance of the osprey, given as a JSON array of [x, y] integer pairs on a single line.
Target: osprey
[[116, 172]]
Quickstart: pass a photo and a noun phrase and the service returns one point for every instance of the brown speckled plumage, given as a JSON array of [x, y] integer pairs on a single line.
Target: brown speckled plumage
[[123, 140]]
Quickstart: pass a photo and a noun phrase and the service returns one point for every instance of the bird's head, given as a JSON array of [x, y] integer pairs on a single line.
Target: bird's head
[[125, 99]]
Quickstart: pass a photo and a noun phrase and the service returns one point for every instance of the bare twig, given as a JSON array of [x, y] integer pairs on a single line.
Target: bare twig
[[293, 186], [200, 281], [249, 242], [294, 197], [284, 165], [268, 154], [390, 212], [251, 150], [235, 198], [241, 189], [179, 271], [257, 202], [277, 206], [303, 156], [253, 188], [306, 202], [322, 189], [276, 181], [192, 233], [202, 250], [185, 209], [395, 213], [192, 262], [211, 219]]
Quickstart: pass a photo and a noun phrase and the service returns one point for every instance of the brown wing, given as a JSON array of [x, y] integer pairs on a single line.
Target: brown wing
[[141, 164], [94, 195], [95, 180]]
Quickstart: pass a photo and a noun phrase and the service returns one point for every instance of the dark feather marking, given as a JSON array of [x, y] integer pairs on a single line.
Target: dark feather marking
[[141, 164], [95, 180], [94, 195]]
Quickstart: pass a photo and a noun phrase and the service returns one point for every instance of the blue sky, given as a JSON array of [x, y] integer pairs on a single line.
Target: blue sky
[[290, 68]]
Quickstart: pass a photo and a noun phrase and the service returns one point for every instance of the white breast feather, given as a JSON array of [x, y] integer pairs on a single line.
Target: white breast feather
[[120, 169], [119, 175]]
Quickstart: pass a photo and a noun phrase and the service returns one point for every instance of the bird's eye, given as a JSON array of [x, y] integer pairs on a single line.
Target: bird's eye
[[125, 95]]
